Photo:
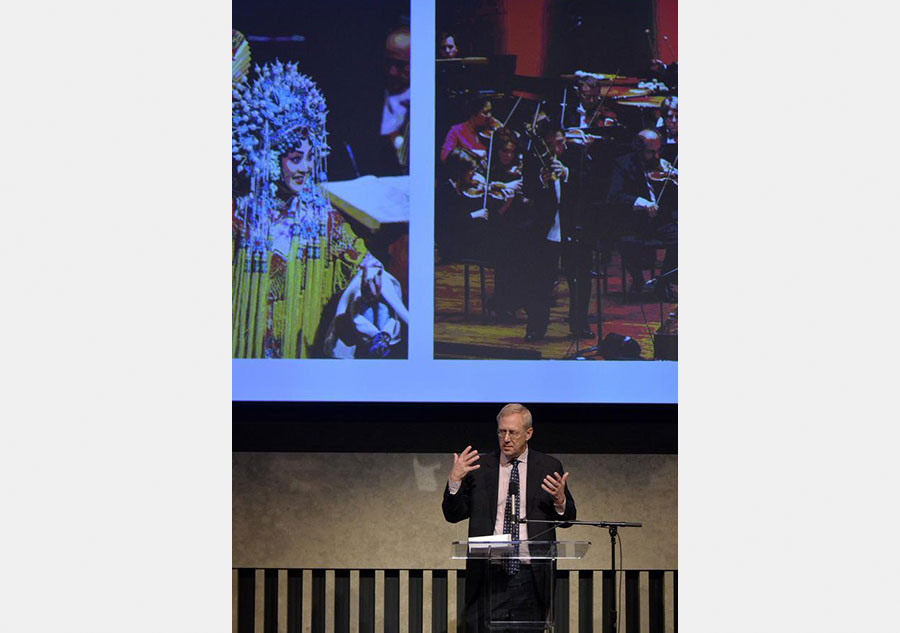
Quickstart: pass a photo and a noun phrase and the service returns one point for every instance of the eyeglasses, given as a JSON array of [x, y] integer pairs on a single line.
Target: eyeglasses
[[512, 434]]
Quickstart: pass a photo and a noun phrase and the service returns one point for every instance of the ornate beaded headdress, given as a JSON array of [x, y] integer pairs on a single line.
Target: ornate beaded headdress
[[271, 115]]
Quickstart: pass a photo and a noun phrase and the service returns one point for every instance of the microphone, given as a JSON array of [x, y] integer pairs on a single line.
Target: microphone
[[512, 492]]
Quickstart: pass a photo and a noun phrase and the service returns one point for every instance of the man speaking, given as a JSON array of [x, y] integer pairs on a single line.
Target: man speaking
[[494, 491]]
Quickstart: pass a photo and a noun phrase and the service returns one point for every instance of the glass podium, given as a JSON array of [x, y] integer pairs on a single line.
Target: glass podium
[[520, 601]]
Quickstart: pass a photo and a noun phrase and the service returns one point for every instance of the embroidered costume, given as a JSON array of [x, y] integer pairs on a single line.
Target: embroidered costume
[[293, 253]]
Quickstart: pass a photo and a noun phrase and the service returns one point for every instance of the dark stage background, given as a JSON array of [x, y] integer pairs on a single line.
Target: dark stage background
[[447, 427], [342, 50]]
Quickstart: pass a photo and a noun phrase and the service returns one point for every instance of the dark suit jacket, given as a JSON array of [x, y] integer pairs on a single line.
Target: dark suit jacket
[[628, 183], [476, 500], [543, 203]]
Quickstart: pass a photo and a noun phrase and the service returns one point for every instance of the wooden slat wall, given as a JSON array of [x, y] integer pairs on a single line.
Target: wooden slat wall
[[234, 601], [667, 599], [451, 601]]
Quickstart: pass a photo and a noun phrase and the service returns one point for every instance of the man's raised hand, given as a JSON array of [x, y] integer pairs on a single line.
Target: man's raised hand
[[556, 486], [464, 463]]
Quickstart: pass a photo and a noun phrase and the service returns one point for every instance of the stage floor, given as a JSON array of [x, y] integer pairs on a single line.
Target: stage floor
[[459, 336]]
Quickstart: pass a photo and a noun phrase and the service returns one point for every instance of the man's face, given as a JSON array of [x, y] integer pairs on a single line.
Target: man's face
[[649, 153], [448, 48], [590, 94], [396, 58], [671, 120], [512, 435], [557, 143], [296, 165]]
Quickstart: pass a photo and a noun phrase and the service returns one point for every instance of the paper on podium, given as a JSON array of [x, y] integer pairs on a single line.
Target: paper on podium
[[493, 541], [370, 200]]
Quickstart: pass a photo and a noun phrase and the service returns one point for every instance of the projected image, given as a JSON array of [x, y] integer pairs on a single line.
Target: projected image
[[556, 167], [320, 138]]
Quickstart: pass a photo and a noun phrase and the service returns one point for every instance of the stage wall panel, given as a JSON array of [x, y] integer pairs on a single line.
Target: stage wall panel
[[383, 511]]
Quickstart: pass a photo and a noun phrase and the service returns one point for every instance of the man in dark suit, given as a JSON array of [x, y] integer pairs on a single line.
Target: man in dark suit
[[550, 187], [494, 491], [650, 221]]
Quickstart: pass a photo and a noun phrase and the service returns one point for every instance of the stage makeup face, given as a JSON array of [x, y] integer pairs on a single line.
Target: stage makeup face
[[296, 165], [512, 435]]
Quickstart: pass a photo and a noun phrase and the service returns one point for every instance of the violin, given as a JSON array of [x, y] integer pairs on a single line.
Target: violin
[[578, 136], [538, 146], [497, 190], [602, 117], [493, 125], [666, 172]]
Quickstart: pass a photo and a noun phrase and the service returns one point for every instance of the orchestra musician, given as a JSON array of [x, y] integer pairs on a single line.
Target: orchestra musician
[[395, 114], [479, 118], [667, 73], [667, 127], [510, 216], [644, 187], [461, 218], [447, 46], [590, 111], [370, 135], [553, 234]]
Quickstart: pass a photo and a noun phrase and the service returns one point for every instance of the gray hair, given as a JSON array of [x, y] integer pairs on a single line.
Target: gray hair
[[643, 137], [516, 409]]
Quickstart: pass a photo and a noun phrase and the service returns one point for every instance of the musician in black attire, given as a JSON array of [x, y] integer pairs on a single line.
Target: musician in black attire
[[667, 128], [650, 221], [554, 231], [461, 226], [510, 217], [590, 111], [369, 121]]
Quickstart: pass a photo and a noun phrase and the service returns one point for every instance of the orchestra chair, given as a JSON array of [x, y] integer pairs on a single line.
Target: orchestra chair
[[482, 265], [467, 261], [634, 241]]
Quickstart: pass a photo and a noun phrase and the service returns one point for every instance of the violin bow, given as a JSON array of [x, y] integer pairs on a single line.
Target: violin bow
[[603, 98], [666, 181], [509, 116], [487, 174]]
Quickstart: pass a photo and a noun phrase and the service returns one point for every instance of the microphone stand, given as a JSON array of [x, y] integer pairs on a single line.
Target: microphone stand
[[574, 252], [613, 527]]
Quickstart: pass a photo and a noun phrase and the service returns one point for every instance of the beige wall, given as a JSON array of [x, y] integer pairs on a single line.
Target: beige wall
[[368, 510]]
